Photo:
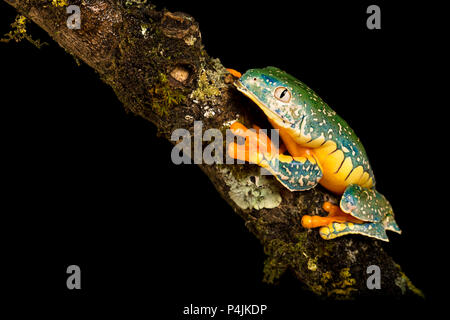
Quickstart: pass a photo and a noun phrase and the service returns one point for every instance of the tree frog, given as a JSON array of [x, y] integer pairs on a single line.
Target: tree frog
[[321, 147]]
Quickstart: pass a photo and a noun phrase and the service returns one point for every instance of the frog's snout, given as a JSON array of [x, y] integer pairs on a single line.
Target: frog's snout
[[238, 84]]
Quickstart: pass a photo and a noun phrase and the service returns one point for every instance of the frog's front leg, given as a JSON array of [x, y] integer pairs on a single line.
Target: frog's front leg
[[256, 145], [295, 173]]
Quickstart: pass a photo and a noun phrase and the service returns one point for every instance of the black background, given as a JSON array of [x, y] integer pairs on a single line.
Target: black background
[[87, 184]]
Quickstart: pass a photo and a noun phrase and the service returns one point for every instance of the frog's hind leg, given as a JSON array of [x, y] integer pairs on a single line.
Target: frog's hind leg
[[295, 173], [369, 205], [338, 229], [338, 223], [364, 211]]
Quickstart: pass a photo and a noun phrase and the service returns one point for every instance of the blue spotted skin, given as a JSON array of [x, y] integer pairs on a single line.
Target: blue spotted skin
[[298, 174], [312, 124], [306, 114], [374, 205], [367, 205], [370, 229]]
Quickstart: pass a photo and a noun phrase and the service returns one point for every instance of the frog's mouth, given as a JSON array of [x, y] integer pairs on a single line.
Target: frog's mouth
[[269, 113]]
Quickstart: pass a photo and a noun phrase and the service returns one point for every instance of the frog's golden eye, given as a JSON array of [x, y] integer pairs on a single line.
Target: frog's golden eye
[[282, 94]]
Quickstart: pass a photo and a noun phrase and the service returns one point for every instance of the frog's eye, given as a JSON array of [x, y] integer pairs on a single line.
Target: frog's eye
[[282, 94]]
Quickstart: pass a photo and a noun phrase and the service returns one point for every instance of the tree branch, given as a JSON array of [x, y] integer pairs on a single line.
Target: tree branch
[[156, 64]]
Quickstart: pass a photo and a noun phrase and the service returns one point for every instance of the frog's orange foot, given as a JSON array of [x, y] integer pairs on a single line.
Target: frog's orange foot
[[235, 73], [257, 144], [335, 214]]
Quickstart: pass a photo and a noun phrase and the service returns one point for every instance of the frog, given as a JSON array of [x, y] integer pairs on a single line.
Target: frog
[[318, 147]]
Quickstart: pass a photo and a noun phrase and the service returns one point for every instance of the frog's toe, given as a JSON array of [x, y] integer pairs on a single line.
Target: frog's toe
[[338, 229], [244, 153], [239, 129], [257, 144], [335, 214], [235, 73]]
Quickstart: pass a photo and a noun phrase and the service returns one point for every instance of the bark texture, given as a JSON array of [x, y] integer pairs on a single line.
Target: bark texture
[[156, 64]]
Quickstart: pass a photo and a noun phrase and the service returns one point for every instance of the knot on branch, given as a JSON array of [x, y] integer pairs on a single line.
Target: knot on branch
[[180, 25], [180, 73]]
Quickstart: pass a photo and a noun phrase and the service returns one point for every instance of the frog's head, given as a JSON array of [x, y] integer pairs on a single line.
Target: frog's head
[[275, 92]]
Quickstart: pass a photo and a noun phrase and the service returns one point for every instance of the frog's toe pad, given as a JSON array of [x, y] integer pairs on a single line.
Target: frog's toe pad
[[338, 229]]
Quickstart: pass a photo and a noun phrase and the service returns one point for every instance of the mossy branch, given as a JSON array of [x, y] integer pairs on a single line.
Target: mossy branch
[[18, 32], [156, 64]]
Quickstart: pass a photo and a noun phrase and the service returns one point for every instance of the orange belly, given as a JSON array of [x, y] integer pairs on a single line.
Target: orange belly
[[338, 171]]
